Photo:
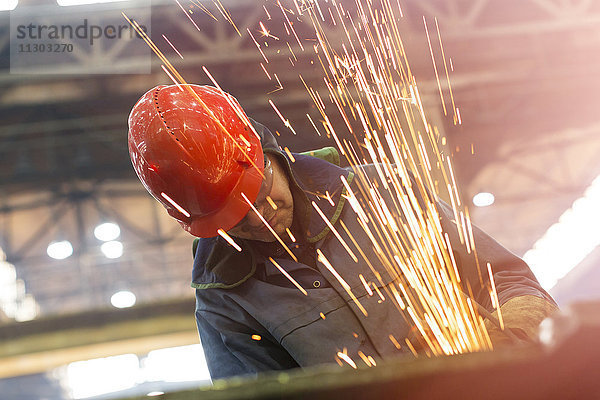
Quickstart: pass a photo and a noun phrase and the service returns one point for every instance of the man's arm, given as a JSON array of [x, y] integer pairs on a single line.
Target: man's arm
[[524, 303], [230, 348]]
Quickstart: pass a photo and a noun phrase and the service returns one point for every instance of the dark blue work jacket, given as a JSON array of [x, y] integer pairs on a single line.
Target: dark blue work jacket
[[242, 294]]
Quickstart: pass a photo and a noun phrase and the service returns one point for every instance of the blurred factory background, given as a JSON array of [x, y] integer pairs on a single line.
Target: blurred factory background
[[92, 267]]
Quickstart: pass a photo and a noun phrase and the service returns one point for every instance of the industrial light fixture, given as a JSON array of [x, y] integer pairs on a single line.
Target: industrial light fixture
[[15, 302], [107, 231], [123, 299], [112, 249], [8, 5], [102, 375], [184, 366], [176, 364], [483, 199], [566, 243], [59, 250], [66, 3]]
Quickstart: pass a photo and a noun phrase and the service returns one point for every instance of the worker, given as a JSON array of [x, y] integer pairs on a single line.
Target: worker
[[222, 176]]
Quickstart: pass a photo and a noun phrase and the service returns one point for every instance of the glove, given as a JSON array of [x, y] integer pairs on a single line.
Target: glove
[[522, 316]]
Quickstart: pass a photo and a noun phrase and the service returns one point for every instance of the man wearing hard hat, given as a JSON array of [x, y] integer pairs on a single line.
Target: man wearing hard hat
[[225, 180]]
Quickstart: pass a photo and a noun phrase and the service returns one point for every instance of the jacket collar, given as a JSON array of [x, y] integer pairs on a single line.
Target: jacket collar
[[218, 265], [321, 186]]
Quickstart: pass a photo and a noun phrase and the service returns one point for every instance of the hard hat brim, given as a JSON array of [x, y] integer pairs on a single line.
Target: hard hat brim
[[235, 208]]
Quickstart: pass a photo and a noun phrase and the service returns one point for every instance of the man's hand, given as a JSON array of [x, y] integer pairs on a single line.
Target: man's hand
[[522, 315]]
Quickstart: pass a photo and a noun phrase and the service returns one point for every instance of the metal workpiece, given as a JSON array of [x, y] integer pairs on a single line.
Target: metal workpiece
[[564, 367]]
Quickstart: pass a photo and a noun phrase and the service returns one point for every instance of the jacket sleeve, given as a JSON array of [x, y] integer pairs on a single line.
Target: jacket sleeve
[[512, 275], [230, 349], [524, 303]]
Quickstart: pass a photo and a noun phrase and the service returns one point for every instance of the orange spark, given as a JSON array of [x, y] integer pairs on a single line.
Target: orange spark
[[288, 276], [229, 239]]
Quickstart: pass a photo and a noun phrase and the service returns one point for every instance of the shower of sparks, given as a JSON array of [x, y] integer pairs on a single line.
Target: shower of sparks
[[372, 89], [283, 271]]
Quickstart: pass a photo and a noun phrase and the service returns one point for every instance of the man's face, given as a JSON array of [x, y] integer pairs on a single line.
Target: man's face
[[276, 188]]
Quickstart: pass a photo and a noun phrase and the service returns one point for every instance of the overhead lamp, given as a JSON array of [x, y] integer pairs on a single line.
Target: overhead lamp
[[102, 375], [67, 3], [59, 250], [483, 199], [123, 299], [567, 242], [112, 249], [8, 5], [107, 231], [176, 364]]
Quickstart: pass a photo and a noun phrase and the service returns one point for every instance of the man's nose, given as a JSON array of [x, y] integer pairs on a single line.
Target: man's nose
[[254, 220]]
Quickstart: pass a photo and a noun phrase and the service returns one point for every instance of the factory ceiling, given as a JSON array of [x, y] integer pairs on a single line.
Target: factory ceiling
[[525, 75]]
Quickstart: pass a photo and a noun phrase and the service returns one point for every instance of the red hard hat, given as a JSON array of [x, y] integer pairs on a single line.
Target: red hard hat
[[196, 152]]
